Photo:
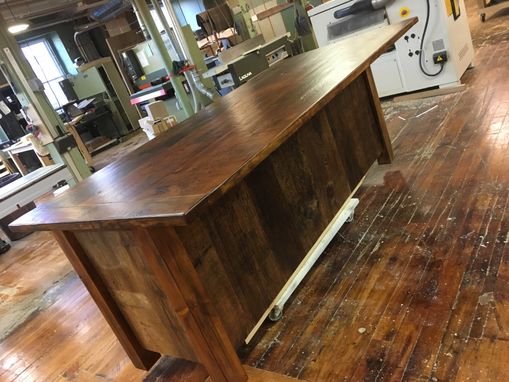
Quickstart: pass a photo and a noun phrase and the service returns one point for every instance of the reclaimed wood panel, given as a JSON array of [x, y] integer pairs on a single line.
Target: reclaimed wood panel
[[247, 246], [357, 129], [189, 298], [267, 224], [83, 265], [119, 260]]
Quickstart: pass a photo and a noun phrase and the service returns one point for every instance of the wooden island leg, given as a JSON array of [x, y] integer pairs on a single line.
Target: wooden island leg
[[141, 358], [177, 278], [387, 154]]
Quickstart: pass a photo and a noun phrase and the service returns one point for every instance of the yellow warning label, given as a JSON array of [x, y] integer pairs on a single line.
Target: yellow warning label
[[453, 8], [439, 58], [448, 7]]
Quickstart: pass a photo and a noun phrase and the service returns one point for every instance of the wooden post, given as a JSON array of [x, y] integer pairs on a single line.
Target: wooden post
[[140, 357], [387, 154], [178, 279]]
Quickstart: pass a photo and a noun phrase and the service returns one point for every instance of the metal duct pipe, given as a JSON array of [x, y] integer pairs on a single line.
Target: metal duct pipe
[[86, 28], [201, 87]]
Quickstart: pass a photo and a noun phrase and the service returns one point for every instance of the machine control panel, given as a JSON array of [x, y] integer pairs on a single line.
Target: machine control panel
[[277, 55], [225, 81], [413, 44]]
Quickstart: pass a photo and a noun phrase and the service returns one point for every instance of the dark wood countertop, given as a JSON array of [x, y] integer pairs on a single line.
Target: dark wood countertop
[[169, 179]]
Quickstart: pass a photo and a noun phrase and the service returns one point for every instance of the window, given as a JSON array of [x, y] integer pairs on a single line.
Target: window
[[166, 39], [47, 69], [158, 22]]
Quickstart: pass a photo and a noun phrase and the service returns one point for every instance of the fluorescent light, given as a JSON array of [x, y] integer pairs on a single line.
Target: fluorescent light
[[16, 28]]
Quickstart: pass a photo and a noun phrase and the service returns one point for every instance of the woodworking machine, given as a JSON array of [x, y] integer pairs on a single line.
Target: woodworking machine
[[247, 65], [434, 52]]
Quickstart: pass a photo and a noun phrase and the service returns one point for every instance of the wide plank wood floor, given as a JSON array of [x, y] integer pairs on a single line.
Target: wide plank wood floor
[[417, 288]]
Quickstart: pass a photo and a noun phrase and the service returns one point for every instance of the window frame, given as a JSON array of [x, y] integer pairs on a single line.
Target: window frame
[[56, 60]]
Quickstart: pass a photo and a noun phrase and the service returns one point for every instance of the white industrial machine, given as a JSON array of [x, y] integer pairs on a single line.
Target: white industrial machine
[[434, 52]]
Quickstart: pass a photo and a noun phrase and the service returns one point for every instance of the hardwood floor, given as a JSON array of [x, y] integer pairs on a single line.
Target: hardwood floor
[[424, 267], [69, 341]]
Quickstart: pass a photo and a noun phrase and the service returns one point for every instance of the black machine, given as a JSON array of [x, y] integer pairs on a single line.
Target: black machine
[[257, 60], [253, 62], [11, 126], [132, 64], [68, 89]]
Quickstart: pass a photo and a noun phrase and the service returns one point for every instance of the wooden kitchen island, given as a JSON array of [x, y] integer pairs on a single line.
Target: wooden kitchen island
[[185, 243]]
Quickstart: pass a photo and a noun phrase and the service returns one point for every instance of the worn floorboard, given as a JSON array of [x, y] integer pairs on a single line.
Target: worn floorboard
[[416, 288]]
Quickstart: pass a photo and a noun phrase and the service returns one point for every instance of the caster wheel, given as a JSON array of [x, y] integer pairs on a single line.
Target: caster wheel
[[350, 218], [276, 313], [483, 17], [4, 246]]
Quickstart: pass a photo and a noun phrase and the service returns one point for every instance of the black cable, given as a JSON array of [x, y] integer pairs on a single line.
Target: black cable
[[422, 46]]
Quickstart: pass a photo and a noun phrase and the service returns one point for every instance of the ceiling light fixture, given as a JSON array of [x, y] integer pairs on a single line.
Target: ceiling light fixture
[[16, 26]]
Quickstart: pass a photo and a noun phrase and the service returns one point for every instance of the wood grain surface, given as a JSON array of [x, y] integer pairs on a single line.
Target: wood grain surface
[[169, 179]]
